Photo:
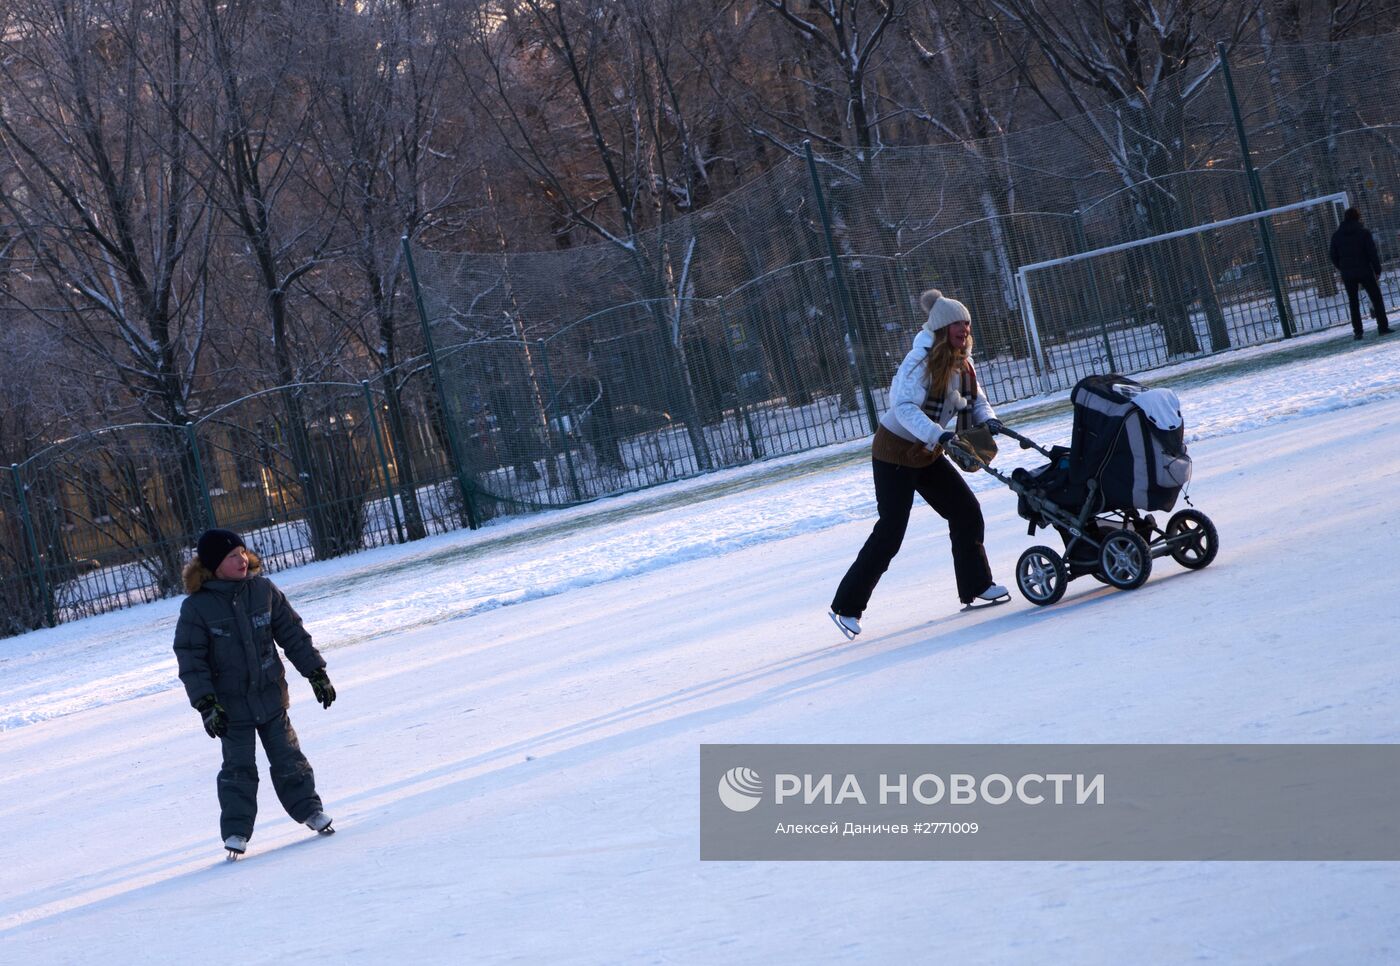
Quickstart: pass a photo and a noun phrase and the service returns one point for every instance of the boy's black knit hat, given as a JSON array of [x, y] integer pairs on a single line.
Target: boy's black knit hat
[[214, 546]]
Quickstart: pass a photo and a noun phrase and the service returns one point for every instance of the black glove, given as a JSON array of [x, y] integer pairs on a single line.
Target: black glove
[[322, 687], [945, 438], [995, 425], [214, 715]]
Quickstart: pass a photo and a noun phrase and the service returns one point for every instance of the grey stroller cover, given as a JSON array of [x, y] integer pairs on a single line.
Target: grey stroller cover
[[1131, 440]]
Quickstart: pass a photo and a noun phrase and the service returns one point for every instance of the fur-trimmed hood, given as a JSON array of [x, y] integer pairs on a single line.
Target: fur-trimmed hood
[[195, 573]]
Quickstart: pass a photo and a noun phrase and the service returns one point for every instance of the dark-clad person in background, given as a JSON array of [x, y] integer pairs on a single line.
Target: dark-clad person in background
[[1355, 257]]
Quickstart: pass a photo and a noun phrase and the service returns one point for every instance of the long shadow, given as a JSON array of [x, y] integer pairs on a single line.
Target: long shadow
[[513, 771], [178, 881], [855, 661], [101, 879], [844, 663]]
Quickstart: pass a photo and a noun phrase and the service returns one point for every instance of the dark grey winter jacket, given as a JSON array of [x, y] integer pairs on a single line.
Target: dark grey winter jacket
[[224, 644], [1353, 252]]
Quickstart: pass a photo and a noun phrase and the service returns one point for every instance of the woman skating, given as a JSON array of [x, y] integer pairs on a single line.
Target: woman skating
[[934, 384]]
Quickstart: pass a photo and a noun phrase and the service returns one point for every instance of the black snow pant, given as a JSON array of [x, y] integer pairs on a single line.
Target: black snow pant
[[942, 488], [238, 779], [1373, 291]]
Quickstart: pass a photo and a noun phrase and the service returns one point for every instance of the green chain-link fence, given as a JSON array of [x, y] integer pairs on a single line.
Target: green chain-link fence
[[766, 323], [310, 472], [771, 321]]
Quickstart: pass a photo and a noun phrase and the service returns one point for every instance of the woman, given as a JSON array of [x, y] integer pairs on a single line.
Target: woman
[[934, 384]]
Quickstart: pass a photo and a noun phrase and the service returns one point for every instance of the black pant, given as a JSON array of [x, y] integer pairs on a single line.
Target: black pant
[[1373, 291], [942, 488], [238, 779]]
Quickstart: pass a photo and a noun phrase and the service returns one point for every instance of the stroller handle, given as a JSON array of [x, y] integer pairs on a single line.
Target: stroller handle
[[972, 458], [1026, 443], [1006, 479]]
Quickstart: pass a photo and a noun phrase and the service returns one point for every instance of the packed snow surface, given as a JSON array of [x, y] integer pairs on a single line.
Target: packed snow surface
[[512, 762]]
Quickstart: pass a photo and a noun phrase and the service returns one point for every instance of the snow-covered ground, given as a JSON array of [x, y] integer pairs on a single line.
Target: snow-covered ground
[[512, 762]]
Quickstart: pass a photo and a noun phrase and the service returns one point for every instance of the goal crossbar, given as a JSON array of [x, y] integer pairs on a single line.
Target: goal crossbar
[[1028, 319], [1339, 198]]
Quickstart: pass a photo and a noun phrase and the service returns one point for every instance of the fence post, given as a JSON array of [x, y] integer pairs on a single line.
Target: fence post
[[1082, 241], [1256, 196], [901, 272], [383, 460], [204, 501], [454, 447], [1039, 355], [754, 444], [561, 434], [45, 598], [843, 296]]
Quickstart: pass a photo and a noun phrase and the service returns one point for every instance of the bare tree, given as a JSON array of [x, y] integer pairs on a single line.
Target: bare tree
[[268, 92], [94, 125], [1127, 67], [956, 84], [837, 50], [1306, 118], [384, 140], [611, 71], [848, 35]]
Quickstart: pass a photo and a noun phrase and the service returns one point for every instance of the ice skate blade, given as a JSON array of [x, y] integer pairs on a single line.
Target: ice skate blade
[[835, 619], [980, 604]]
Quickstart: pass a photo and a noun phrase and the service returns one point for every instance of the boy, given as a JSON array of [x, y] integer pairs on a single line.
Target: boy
[[236, 681]]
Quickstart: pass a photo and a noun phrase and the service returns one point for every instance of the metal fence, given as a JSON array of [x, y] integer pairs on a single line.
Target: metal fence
[[771, 320], [310, 472], [766, 323]]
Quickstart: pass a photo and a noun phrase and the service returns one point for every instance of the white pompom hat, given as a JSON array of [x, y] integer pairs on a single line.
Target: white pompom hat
[[942, 311]]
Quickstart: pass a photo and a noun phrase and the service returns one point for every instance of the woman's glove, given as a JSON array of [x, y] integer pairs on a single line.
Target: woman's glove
[[214, 715], [945, 438], [995, 425], [323, 689]]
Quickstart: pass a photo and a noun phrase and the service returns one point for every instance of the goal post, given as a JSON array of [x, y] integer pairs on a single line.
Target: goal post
[[1144, 303]]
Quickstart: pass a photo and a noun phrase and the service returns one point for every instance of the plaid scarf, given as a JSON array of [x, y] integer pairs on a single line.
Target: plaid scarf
[[933, 406]]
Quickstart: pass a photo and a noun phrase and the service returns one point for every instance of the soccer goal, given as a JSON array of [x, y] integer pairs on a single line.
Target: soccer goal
[[1145, 303]]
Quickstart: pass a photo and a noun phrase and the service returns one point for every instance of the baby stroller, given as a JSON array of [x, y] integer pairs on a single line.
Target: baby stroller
[[1126, 457]]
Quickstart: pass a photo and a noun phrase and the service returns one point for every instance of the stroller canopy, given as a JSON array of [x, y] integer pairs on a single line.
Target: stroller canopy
[[1131, 440]]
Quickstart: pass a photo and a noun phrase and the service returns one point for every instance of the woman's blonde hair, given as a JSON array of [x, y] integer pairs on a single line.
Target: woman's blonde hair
[[944, 362]]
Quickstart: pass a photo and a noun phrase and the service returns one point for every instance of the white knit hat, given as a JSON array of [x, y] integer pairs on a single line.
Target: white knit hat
[[942, 311]]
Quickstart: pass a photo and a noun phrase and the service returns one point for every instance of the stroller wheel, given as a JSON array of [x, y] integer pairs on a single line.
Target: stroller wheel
[[1125, 560], [1199, 542], [1041, 576]]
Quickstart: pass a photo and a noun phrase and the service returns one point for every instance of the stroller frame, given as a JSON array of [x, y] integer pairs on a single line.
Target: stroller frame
[[1122, 553]]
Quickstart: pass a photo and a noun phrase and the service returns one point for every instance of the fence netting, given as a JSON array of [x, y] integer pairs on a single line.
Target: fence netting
[[772, 320], [767, 323]]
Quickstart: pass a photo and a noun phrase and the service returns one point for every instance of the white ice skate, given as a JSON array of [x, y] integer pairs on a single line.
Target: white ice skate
[[850, 626], [320, 822], [993, 595], [236, 845]]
